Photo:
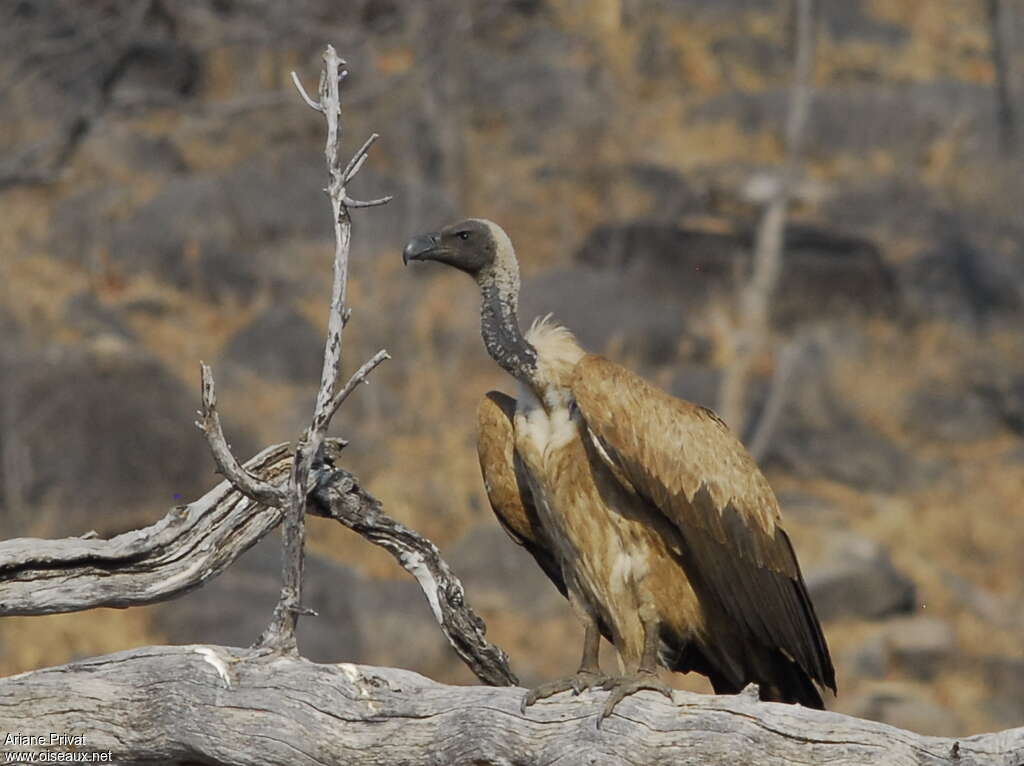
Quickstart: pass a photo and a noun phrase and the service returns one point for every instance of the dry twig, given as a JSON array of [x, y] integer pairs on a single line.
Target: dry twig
[[227, 464], [280, 634]]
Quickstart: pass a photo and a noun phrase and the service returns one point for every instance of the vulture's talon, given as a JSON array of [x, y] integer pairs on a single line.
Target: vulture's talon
[[544, 691], [577, 684], [625, 686], [586, 679]]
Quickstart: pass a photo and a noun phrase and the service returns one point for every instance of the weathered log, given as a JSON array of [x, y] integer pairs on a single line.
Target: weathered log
[[218, 705]]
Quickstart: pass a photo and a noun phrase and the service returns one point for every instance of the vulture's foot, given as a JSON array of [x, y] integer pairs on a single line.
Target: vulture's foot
[[577, 684], [623, 687]]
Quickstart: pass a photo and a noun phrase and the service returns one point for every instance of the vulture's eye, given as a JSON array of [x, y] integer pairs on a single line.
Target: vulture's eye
[[463, 235]]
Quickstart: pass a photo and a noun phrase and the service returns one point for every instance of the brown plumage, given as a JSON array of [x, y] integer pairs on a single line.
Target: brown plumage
[[506, 485], [643, 509]]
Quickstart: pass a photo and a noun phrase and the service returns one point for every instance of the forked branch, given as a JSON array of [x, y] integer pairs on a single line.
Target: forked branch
[[280, 634], [227, 464], [292, 498], [196, 542]]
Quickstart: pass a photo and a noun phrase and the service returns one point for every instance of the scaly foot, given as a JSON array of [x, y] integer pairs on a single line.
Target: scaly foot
[[583, 680], [621, 688]]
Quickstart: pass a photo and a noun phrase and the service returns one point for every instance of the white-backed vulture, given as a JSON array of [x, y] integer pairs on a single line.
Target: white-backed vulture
[[643, 509]]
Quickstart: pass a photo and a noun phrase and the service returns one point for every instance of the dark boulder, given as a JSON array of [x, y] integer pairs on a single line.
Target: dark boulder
[[954, 413], [85, 313], [858, 579], [279, 344], [1004, 677], [495, 570], [1005, 396], [105, 436], [824, 273], [964, 276], [218, 234], [610, 311], [919, 646]]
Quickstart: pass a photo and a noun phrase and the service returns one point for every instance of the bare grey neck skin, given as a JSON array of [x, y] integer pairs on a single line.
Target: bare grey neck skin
[[499, 326]]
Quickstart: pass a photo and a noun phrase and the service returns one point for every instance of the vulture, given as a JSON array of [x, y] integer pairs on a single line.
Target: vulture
[[643, 509]]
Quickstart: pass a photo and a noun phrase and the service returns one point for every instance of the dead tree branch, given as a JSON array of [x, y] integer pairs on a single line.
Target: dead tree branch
[[752, 332], [257, 489], [211, 704], [785, 365], [339, 496], [194, 543], [180, 552], [280, 634]]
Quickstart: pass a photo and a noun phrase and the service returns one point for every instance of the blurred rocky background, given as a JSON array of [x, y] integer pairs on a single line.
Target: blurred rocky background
[[161, 204]]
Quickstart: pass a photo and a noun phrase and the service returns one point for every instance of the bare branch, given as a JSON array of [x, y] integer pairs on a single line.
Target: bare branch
[[280, 634], [359, 158], [338, 496], [361, 376], [305, 96], [227, 463], [349, 202], [187, 547], [210, 704]]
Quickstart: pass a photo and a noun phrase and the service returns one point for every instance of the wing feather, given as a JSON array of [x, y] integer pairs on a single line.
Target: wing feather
[[684, 461], [506, 485]]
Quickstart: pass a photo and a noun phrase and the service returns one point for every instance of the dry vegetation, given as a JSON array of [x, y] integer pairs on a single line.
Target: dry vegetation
[[552, 120]]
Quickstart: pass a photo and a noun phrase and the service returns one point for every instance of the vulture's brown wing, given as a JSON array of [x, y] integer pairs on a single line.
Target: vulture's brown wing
[[506, 485], [683, 460]]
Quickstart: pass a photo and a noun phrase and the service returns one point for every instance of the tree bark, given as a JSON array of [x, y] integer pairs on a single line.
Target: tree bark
[[220, 705], [198, 541], [188, 546]]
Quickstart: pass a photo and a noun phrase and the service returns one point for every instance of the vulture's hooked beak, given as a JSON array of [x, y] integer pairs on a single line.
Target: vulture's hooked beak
[[422, 247]]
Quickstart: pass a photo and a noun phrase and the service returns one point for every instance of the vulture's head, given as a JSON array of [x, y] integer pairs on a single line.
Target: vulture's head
[[480, 248]]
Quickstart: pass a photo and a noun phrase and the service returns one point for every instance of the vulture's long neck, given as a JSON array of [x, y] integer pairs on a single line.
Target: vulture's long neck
[[499, 326]]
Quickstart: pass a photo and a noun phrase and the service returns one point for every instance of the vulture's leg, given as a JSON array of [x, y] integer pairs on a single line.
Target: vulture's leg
[[644, 677], [589, 676]]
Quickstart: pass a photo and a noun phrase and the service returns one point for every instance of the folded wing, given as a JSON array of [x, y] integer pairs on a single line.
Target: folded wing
[[684, 461], [506, 484]]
